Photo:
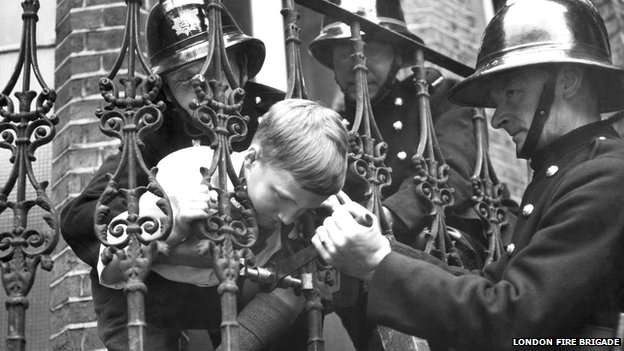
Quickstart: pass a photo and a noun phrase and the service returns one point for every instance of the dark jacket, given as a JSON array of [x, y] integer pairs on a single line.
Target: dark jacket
[[455, 134], [564, 270]]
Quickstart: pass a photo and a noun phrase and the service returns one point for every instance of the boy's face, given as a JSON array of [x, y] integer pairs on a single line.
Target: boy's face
[[276, 195]]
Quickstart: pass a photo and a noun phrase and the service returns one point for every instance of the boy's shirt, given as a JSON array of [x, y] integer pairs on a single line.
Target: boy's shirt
[[176, 173]]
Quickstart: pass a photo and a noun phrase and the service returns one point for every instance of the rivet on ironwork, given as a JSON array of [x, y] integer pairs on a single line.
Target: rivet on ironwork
[[552, 170], [398, 125], [527, 210]]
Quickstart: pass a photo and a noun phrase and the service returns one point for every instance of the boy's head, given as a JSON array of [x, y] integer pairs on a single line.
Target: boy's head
[[298, 158]]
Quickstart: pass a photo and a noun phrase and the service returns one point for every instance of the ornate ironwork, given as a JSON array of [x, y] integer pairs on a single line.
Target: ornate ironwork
[[432, 174], [217, 113], [296, 84], [368, 150], [22, 132], [131, 113], [488, 191]]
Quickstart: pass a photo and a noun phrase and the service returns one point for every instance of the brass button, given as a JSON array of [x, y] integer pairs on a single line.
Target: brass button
[[527, 210], [398, 102], [552, 170], [510, 248], [398, 125]]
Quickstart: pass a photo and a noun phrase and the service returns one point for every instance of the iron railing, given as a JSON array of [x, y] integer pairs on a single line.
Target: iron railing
[[23, 129], [133, 110]]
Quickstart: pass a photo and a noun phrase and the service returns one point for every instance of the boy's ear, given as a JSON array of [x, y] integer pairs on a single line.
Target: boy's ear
[[251, 156]]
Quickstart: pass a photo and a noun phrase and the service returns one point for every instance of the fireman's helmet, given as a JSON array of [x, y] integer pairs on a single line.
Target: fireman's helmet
[[385, 13], [543, 32], [177, 34]]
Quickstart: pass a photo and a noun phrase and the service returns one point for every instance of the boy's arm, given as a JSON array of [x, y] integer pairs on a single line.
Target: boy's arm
[[266, 317], [186, 254]]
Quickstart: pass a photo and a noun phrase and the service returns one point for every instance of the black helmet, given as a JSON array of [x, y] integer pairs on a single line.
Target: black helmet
[[541, 32], [385, 13], [177, 35]]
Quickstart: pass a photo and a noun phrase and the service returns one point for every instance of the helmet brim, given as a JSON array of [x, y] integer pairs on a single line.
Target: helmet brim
[[252, 47], [475, 89], [321, 48]]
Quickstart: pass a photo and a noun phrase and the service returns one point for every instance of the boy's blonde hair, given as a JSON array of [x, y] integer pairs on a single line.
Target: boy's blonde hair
[[306, 139]]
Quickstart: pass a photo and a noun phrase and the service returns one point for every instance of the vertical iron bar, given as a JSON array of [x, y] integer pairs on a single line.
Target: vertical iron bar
[[22, 132], [128, 117], [432, 173], [295, 84], [313, 307], [22, 249], [487, 191], [367, 157], [296, 88], [217, 114]]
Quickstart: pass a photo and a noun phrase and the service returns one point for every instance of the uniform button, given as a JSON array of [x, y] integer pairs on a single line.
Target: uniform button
[[258, 99], [402, 155], [345, 122], [552, 170], [398, 125], [602, 138], [398, 101], [527, 210], [510, 248]]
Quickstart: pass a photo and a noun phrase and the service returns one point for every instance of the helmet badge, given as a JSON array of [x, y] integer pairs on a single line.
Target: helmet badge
[[186, 24]]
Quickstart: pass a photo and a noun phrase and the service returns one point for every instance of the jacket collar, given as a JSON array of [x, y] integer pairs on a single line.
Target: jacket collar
[[567, 144]]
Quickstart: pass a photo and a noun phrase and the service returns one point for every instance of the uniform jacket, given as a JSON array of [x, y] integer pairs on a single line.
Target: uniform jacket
[[396, 116], [562, 271]]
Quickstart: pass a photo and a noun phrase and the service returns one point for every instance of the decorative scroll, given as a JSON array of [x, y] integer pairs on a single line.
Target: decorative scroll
[[488, 192], [367, 148], [216, 112], [22, 131], [432, 174], [131, 112]]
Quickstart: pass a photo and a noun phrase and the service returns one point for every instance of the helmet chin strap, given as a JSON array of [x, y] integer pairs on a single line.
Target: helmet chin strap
[[539, 118]]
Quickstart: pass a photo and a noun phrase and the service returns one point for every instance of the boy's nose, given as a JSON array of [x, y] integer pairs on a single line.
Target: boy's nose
[[286, 219], [289, 216]]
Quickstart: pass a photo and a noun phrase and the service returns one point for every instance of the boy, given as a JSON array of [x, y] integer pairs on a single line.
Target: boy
[[297, 159]]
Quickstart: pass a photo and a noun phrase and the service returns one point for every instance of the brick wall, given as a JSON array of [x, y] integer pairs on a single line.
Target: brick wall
[[89, 34], [612, 11]]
